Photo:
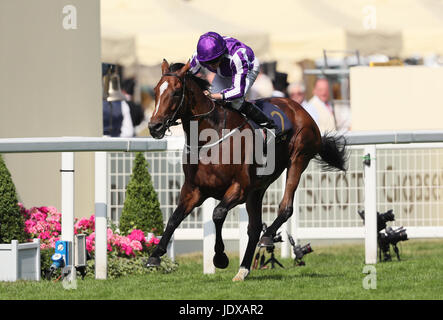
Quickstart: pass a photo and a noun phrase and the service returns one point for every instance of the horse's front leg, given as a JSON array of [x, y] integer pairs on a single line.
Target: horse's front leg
[[232, 197], [189, 199]]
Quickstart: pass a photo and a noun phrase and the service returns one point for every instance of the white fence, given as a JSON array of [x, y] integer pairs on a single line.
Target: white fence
[[406, 175], [20, 261]]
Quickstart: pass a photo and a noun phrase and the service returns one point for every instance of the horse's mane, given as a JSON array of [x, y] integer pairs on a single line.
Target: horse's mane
[[202, 83]]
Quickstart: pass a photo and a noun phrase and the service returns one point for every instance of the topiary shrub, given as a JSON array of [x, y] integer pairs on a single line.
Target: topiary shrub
[[141, 209], [12, 224]]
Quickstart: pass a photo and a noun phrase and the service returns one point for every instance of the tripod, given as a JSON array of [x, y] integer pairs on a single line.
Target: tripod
[[271, 260]]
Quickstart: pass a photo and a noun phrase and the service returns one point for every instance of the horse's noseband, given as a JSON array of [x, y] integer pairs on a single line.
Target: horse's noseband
[[172, 121]]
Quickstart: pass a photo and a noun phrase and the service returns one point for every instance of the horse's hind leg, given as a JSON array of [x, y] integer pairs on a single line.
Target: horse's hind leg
[[231, 198], [298, 165], [189, 199], [254, 208]]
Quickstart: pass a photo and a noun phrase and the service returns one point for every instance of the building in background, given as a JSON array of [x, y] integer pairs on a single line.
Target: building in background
[[50, 83]]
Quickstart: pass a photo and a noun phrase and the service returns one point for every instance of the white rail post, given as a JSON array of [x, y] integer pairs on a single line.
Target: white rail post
[[101, 184], [370, 171], [243, 231], [208, 236], [171, 248], [67, 173]]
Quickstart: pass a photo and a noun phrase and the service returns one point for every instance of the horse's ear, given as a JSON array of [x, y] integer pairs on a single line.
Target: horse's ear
[[185, 69], [165, 66]]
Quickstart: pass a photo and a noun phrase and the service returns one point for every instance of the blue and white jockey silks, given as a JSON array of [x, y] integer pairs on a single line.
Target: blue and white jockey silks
[[237, 71]]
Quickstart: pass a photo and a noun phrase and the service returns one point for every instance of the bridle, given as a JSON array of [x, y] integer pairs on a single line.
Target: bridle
[[172, 121]]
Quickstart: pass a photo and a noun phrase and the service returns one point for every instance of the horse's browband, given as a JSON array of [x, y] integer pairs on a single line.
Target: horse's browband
[[173, 75]]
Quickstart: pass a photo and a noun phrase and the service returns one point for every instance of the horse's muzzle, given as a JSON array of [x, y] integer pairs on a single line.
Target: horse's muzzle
[[157, 129]]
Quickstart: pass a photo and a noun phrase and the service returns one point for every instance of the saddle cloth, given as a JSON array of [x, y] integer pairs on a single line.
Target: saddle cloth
[[274, 113]]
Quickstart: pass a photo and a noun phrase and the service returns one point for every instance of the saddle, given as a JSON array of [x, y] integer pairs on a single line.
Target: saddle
[[274, 113]]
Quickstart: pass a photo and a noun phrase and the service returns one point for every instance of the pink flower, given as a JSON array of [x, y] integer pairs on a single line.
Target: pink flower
[[129, 251], [92, 222], [90, 241], [43, 209], [109, 234], [39, 216], [154, 240], [137, 235], [136, 245], [44, 235], [53, 211]]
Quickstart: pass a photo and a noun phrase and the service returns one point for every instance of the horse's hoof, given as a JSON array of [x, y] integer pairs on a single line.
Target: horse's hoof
[[153, 262], [266, 242], [241, 275], [221, 260]]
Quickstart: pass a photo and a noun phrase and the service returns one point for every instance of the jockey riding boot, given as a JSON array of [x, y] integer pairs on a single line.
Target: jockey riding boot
[[254, 113]]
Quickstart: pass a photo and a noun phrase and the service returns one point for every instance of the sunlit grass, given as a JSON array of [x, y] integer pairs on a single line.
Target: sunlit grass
[[334, 272]]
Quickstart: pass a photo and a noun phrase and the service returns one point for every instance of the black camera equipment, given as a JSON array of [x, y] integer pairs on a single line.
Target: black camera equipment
[[269, 249], [382, 218], [389, 237], [299, 251]]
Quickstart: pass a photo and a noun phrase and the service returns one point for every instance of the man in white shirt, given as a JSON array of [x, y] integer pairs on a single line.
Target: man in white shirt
[[320, 101], [297, 92]]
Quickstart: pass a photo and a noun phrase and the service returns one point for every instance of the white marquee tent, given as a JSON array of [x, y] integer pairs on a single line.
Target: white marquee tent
[[146, 31]]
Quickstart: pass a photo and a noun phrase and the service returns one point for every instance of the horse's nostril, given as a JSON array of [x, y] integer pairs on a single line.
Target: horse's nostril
[[154, 126]]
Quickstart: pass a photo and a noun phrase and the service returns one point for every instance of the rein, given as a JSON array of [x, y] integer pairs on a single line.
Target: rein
[[171, 121]]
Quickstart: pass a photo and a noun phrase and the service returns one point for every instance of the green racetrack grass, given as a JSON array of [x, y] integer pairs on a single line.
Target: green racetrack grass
[[333, 272]]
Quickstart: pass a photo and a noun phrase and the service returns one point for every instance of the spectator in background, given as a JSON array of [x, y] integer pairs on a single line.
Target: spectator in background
[[117, 120], [297, 92], [320, 101], [280, 84], [137, 114], [262, 87]]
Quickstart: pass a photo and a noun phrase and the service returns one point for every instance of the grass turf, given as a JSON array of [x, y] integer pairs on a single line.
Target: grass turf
[[334, 272]]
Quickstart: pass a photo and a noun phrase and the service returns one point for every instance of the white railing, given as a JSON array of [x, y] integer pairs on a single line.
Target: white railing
[[405, 175], [67, 146]]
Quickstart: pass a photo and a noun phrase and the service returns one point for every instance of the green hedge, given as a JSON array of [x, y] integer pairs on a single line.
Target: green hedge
[[141, 209], [12, 223]]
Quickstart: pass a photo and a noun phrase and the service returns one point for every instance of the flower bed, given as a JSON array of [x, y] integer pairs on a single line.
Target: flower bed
[[128, 250]]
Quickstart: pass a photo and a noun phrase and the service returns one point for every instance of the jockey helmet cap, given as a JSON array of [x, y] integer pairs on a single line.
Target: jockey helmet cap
[[210, 46]]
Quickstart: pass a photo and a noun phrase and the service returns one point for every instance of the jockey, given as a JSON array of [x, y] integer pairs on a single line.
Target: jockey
[[235, 67]]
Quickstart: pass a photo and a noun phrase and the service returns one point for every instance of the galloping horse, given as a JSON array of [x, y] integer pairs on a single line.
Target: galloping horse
[[181, 95]]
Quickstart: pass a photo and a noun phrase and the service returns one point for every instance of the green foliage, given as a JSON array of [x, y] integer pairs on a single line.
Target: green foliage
[[12, 224], [118, 266], [45, 264], [124, 266], [141, 209]]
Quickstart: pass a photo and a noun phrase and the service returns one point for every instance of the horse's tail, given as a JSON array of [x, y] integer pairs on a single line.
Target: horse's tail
[[333, 154]]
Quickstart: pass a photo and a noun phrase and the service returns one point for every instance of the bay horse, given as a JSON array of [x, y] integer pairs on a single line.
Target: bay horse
[[181, 95]]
